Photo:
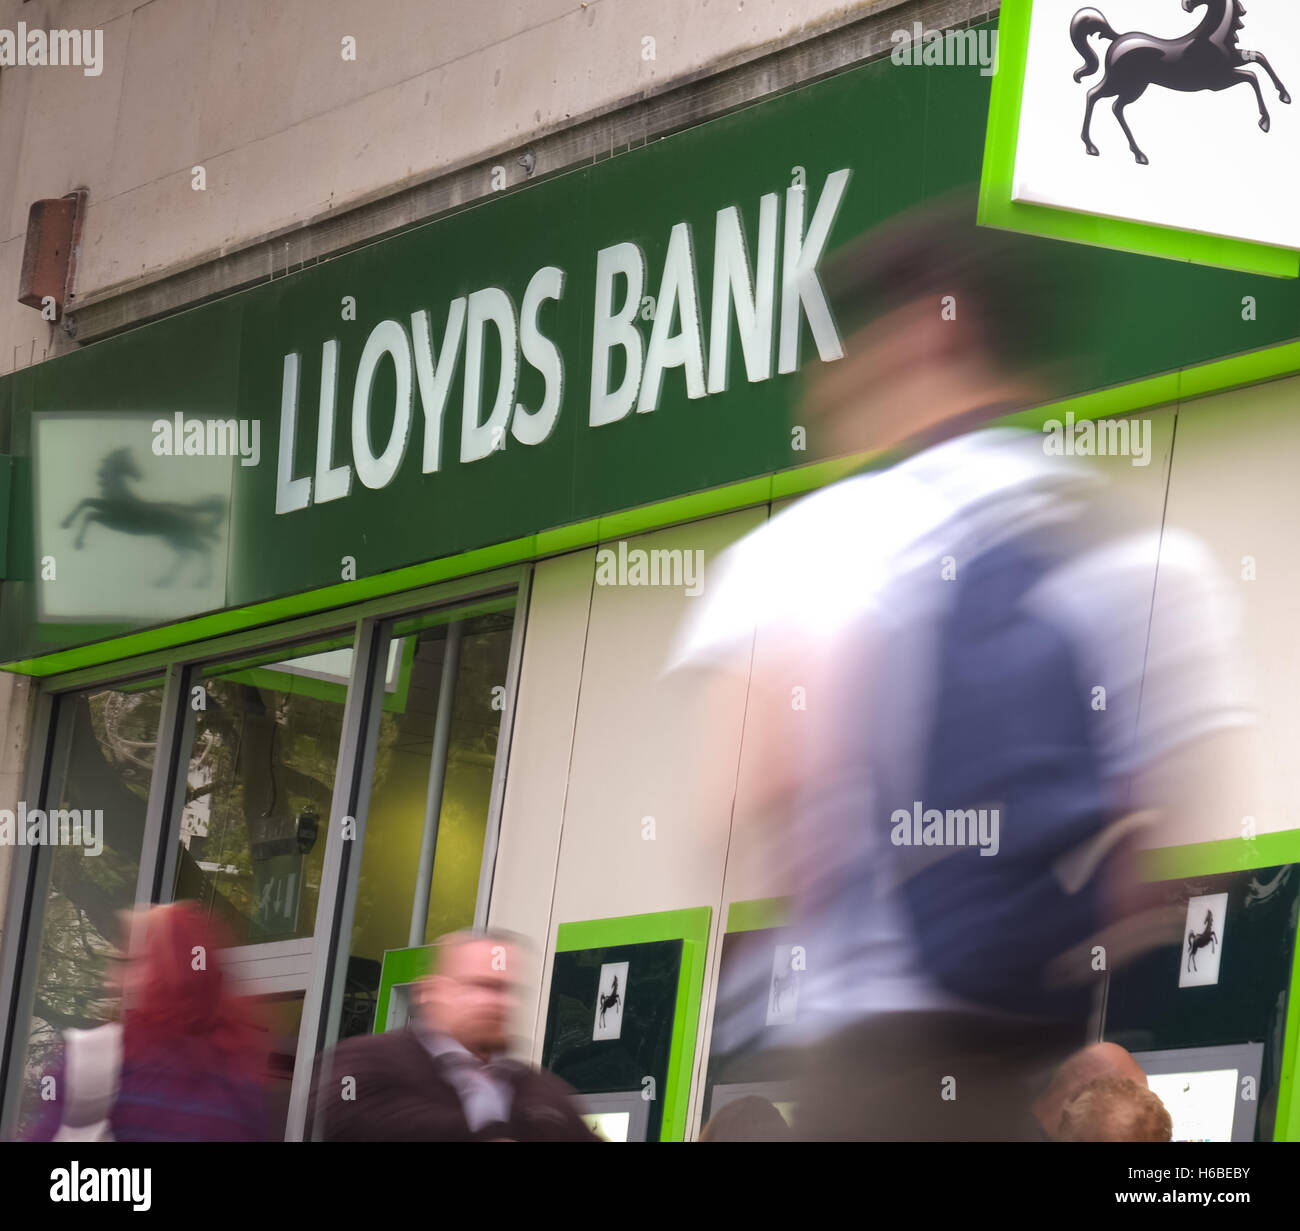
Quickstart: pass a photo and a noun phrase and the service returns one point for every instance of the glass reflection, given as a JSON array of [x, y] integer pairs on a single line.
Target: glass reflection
[[258, 789]]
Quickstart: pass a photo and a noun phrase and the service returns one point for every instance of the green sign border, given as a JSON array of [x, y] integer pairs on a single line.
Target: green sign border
[[758, 914], [997, 209], [691, 927]]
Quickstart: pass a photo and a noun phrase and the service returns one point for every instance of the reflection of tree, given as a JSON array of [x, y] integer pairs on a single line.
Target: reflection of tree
[[112, 738], [261, 756]]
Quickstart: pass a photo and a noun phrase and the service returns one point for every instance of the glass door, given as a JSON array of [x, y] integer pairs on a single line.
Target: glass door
[[261, 748], [433, 762]]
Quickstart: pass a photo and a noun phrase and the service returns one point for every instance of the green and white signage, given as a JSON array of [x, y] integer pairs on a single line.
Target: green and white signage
[[613, 348], [1168, 124]]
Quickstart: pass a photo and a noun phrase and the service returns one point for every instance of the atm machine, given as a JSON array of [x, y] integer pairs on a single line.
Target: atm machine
[[1207, 1017]]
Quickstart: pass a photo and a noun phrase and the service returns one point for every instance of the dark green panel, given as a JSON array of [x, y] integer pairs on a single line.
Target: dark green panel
[[600, 1066]]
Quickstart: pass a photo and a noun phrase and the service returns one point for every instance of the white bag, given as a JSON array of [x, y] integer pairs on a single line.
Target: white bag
[[92, 1064]]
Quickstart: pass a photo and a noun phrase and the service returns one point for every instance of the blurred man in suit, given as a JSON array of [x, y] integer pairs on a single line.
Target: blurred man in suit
[[445, 1076]]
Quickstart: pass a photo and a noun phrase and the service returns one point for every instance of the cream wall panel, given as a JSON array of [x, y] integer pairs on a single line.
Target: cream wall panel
[[538, 772], [633, 754], [1234, 484], [639, 751]]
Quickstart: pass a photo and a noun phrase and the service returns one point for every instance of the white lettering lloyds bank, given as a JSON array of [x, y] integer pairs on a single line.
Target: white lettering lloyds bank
[[769, 325]]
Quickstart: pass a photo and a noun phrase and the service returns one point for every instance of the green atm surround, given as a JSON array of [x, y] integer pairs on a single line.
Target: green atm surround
[[401, 968], [691, 928]]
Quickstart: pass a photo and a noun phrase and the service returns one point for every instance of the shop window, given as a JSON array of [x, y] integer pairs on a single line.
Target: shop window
[[433, 759], [263, 749], [102, 762]]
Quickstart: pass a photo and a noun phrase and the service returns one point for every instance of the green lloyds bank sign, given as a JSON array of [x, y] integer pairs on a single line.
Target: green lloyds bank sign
[[616, 336]]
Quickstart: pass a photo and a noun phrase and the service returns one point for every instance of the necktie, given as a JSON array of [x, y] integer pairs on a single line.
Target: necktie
[[485, 1091]]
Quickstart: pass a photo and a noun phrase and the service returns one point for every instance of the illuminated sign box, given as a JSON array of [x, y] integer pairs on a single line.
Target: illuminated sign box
[[1151, 126]]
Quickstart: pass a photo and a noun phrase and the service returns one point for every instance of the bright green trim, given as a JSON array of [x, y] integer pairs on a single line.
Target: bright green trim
[[413, 625], [400, 966], [1286, 1127], [757, 914], [692, 928], [1218, 376], [997, 209], [686, 508], [1267, 850]]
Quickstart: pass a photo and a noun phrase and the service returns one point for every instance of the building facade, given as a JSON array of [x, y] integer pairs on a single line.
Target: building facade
[[405, 386]]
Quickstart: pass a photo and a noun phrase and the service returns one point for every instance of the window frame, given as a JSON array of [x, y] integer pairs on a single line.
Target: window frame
[[369, 620]]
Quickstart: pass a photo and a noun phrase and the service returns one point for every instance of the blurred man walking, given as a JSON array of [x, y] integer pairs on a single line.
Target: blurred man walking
[[445, 1077]]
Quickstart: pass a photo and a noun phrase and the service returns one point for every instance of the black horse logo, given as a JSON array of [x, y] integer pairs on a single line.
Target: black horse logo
[[188, 529], [1206, 59], [610, 1001], [781, 984], [1198, 940]]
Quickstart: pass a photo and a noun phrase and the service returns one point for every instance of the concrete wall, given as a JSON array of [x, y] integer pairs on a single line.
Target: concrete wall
[[289, 131]]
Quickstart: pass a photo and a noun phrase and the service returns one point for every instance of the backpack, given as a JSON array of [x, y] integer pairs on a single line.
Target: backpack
[[1010, 734]]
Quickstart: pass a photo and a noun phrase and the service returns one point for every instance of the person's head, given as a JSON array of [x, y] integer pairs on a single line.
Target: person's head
[[747, 1119], [939, 317], [470, 991], [1091, 1064], [175, 992], [1115, 1109]]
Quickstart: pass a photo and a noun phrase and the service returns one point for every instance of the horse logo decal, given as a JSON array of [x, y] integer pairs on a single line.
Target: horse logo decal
[[1206, 59], [782, 984], [610, 1001], [1198, 940], [189, 530]]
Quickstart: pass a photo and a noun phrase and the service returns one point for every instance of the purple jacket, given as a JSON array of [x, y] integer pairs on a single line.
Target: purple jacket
[[174, 1095]]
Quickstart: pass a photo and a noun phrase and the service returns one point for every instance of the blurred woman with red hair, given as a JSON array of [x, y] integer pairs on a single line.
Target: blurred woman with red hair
[[185, 1064]]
